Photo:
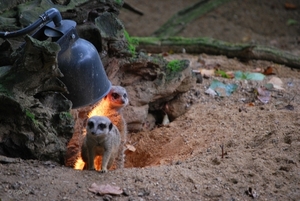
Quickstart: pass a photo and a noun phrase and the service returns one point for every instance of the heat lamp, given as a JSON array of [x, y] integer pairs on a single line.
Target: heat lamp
[[78, 59]]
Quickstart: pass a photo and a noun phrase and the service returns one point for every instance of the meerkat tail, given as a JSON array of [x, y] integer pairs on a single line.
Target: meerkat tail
[[79, 164]]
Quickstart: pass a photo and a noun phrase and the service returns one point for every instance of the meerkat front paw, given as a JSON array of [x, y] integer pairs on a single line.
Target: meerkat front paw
[[103, 171]]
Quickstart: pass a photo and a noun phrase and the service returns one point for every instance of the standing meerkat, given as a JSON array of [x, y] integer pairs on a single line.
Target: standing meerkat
[[102, 138], [111, 106]]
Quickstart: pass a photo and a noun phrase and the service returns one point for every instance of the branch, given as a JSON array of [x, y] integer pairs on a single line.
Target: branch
[[217, 47], [179, 21]]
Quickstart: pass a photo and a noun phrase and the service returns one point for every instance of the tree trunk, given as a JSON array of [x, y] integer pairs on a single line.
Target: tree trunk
[[179, 21], [217, 47]]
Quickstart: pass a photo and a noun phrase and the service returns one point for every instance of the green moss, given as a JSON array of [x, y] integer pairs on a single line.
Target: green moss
[[132, 43], [119, 2], [65, 115], [31, 116], [174, 65], [172, 41], [158, 59], [147, 40]]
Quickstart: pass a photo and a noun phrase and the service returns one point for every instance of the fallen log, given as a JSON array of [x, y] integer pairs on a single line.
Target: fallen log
[[181, 19], [217, 47]]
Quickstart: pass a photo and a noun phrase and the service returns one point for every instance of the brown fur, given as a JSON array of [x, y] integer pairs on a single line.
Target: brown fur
[[102, 139], [111, 106]]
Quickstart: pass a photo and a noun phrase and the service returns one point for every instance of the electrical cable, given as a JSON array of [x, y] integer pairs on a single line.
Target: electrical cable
[[51, 14]]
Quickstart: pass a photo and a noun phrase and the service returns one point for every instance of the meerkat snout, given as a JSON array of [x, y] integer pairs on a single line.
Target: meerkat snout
[[123, 99], [98, 128]]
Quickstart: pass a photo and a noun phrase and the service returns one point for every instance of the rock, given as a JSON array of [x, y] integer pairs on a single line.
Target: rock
[[177, 106], [35, 120], [40, 123], [135, 117], [149, 123]]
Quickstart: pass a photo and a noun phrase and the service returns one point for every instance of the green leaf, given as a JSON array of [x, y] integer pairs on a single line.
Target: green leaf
[[291, 22], [222, 73]]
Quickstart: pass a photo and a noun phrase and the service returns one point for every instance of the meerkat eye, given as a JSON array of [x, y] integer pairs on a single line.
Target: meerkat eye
[[115, 95], [102, 126], [90, 124]]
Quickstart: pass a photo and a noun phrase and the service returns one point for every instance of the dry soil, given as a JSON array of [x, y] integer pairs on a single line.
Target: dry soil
[[224, 148]]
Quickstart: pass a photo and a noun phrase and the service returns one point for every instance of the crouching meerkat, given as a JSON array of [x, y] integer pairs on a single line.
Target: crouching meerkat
[[111, 106], [102, 138]]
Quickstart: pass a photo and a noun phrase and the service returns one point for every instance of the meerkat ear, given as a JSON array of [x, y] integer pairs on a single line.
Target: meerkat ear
[[90, 124], [110, 126]]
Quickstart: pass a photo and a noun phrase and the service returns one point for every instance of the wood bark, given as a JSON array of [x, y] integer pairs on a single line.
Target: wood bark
[[217, 47], [179, 21]]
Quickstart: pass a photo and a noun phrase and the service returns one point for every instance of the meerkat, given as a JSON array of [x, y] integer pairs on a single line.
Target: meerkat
[[111, 106], [102, 138]]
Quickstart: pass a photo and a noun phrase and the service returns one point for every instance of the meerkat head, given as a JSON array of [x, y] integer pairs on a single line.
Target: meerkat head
[[98, 125], [117, 97]]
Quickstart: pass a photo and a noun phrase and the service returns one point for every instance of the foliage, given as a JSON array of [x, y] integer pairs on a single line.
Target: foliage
[[118, 2], [292, 22], [65, 115], [174, 65], [132, 43], [222, 74], [31, 116]]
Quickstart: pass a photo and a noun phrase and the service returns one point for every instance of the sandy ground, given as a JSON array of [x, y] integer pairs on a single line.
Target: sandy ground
[[223, 148]]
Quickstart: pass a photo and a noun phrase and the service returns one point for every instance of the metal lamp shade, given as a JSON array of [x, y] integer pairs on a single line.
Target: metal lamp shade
[[80, 63], [78, 59], [84, 75]]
